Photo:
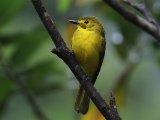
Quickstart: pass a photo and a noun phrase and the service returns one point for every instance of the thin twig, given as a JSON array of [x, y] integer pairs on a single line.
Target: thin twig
[[137, 20], [138, 7], [66, 55], [123, 77], [143, 9], [16, 79], [134, 58]]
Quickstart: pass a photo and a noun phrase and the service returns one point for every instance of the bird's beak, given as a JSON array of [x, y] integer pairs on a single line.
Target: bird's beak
[[73, 21]]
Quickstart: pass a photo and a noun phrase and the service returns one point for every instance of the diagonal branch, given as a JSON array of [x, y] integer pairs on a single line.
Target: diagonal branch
[[17, 80], [143, 9], [66, 55], [137, 20], [113, 107]]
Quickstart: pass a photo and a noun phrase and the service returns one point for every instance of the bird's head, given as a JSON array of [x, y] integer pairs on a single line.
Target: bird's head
[[89, 23]]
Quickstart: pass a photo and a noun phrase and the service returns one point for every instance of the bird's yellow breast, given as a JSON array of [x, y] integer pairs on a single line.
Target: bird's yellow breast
[[86, 46]]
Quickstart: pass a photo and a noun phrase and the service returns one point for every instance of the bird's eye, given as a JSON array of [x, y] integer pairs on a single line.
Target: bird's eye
[[86, 22]]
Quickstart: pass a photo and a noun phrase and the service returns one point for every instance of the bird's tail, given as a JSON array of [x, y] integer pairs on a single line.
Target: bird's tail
[[82, 101]]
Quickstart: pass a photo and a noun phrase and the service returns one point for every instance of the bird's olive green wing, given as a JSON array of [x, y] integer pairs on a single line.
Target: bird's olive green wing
[[101, 57]]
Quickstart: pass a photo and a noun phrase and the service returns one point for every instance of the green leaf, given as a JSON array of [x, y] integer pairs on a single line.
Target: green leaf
[[45, 76], [130, 33], [5, 88], [63, 5], [26, 46], [8, 9]]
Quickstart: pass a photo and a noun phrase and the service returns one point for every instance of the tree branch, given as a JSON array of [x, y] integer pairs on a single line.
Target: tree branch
[[113, 107], [66, 55], [137, 20], [143, 9]]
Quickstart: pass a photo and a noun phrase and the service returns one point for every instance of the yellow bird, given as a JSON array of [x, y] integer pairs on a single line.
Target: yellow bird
[[88, 44]]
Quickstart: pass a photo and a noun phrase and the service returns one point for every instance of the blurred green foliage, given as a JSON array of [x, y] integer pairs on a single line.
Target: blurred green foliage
[[25, 46], [8, 9]]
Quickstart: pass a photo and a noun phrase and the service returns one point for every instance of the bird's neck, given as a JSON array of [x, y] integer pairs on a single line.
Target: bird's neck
[[93, 29]]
